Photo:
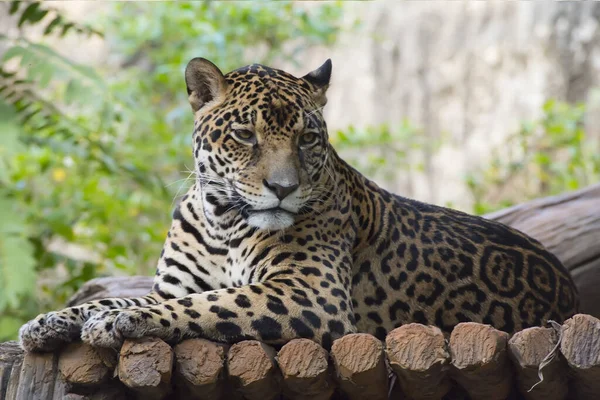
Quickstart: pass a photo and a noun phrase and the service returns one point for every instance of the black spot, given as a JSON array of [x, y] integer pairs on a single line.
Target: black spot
[[108, 326], [312, 318], [336, 327], [268, 328], [192, 313], [326, 341], [194, 327], [280, 257], [330, 309], [211, 297], [277, 308], [222, 312], [215, 135], [374, 316], [419, 317], [300, 256], [229, 329], [380, 333], [146, 315], [301, 300], [185, 302], [310, 271], [243, 301], [164, 322], [256, 289], [301, 329]]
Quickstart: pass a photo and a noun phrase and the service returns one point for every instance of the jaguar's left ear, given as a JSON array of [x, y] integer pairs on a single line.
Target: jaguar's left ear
[[319, 80]]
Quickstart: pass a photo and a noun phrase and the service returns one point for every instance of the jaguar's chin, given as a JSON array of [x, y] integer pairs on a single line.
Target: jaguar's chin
[[271, 219]]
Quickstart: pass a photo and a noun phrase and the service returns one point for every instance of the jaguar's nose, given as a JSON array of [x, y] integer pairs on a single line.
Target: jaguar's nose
[[280, 191]]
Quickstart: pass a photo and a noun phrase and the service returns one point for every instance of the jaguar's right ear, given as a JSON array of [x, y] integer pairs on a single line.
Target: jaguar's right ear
[[205, 83]]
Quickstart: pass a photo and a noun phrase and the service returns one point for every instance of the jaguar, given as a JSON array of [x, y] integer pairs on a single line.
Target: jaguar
[[279, 238]]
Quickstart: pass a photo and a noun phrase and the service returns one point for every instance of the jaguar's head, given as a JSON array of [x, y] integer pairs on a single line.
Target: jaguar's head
[[260, 140]]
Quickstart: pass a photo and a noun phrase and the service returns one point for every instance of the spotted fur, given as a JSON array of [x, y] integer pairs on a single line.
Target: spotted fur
[[279, 238]]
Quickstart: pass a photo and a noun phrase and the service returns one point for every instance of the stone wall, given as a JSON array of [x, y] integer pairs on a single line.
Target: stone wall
[[473, 70]]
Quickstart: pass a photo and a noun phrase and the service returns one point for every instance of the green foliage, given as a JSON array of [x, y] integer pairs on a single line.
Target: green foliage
[[91, 160], [545, 157], [381, 152]]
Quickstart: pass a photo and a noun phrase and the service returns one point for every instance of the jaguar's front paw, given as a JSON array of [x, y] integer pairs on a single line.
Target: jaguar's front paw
[[111, 328], [49, 331]]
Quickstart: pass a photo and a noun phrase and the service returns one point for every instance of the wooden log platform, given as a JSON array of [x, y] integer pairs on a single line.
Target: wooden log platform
[[478, 360]]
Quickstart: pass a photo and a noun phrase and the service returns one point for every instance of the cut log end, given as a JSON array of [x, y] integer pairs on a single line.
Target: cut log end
[[83, 365], [581, 349], [253, 371], [305, 370], [145, 367], [480, 362], [530, 348], [418, 355], [200, 369], [359, 361]]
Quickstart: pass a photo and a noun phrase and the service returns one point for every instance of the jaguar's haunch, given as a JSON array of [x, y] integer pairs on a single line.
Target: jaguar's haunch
[[279, 238]]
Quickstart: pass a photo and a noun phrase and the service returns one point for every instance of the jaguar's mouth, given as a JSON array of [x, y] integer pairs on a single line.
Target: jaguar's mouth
[[270, 218], [270, 210]]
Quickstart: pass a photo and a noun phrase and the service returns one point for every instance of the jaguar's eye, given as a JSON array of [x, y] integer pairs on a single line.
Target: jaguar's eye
[[308, 138], [244, 135]]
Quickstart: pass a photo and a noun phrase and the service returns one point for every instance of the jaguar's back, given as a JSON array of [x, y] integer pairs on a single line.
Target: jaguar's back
[[439, 266]]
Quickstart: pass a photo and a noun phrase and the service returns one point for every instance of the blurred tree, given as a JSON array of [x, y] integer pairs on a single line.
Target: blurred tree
[[545, 157], [89, 159]]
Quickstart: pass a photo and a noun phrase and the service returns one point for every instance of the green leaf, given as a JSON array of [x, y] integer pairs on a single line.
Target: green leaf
[[14, 7], [9, 128], [53, 25], [29, 13], [15, 51]]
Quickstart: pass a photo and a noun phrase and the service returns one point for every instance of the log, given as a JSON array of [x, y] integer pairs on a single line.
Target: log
[[84, 366], [359, 362], [527, 350], [305, 369], [200, 369], [569, 226], [418, 355], [253, 372], [480, 362], [11, 360], [581, 348], [114, 286], [145, 367]]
